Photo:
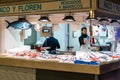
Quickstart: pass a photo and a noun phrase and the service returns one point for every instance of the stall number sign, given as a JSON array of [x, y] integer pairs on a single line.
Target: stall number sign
[[103, 4], [46, 6]]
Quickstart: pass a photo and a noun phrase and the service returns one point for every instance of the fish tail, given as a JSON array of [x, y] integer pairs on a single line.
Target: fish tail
[[8, 23]]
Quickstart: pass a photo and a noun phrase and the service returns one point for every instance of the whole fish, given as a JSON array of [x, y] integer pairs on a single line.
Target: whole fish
[[22, 23]]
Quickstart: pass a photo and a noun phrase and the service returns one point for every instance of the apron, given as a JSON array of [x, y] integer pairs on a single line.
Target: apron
[[86, 46]]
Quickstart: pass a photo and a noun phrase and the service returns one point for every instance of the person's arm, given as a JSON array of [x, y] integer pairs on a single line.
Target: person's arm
[[58, 45], [44, 44], [81, 41]]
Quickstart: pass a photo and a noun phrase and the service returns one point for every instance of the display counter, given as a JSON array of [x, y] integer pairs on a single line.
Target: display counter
[[13, 68]]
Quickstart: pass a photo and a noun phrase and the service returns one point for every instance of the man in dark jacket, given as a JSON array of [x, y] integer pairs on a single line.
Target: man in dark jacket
[[52, 43]]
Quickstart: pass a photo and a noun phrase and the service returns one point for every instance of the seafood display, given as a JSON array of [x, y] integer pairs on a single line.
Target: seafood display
[[80, 57]]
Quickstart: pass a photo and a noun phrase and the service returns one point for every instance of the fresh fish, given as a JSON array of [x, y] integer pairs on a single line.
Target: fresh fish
[[22, 23]]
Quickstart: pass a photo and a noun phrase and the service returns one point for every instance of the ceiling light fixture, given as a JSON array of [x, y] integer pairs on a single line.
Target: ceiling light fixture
[[44, 18], [114, 21], [69, 18]]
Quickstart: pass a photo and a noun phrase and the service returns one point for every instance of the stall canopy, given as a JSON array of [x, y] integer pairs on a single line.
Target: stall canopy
[[104, 8]]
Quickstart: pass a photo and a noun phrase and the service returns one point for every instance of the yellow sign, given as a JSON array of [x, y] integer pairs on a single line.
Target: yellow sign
[[46, 6]]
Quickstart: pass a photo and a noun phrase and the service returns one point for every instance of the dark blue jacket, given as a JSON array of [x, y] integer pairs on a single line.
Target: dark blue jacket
[[52, 43]]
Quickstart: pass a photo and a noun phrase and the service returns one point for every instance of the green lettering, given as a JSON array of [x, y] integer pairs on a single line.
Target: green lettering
[[7, 9], [14, 8], [72, 6], [20, 8], [26, 8], [37, 7], [70, 2], [62, 3], [31, 7], [1, 10]]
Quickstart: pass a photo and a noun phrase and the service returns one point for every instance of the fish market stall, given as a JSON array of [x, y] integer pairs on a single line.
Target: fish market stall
[[41, 65], [22, 33]]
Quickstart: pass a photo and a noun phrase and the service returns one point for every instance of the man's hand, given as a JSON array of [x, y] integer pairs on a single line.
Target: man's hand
[[85, 40]]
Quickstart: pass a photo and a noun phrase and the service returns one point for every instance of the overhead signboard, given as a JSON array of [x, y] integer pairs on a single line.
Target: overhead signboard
[[14, 1], [109, 6], [46, 6]]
